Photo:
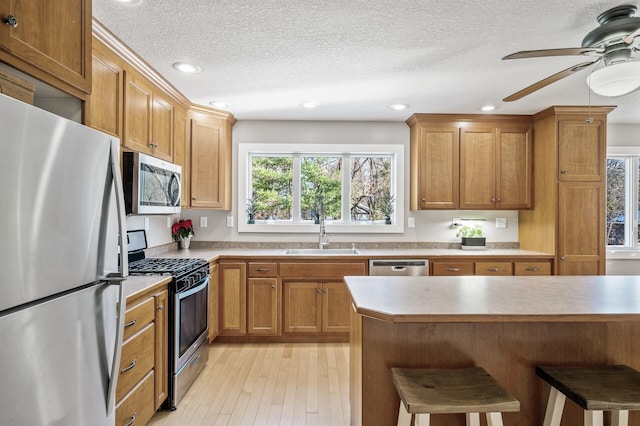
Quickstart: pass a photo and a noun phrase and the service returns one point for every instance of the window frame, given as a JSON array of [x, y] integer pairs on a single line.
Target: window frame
[[245, 150], [631, 157]]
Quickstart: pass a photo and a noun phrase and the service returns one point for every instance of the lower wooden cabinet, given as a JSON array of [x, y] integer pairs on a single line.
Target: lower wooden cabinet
[[143, 380], [233, 298], [316, 307], [263, 306], [214, 290]]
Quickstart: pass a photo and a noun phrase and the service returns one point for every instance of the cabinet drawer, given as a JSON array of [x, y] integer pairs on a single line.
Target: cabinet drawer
[[532, 268], [269, 270], [494, 268], [137, 407], [318, 270], [137, 360], [137, 317], [452, 268]]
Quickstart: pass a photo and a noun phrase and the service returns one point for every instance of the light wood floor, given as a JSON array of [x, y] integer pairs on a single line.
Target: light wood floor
[[267, 384]]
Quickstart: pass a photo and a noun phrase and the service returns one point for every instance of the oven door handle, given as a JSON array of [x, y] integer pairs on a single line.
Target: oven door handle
[[189, 292]]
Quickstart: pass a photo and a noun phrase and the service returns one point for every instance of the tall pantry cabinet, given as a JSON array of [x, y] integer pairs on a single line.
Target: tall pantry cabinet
[[569, 189]]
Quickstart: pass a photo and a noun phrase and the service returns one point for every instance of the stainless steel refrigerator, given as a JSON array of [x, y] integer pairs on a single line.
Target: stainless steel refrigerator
[[61, 223]]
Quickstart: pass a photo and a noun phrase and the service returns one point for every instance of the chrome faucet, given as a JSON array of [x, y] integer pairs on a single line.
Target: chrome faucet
[[323, 240]]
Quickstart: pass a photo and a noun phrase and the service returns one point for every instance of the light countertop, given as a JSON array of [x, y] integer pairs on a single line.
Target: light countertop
[[497, 299]]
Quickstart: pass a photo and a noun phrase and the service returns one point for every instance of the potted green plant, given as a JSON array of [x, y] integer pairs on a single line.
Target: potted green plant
[[472, 237], [386, 205], [252, 209]]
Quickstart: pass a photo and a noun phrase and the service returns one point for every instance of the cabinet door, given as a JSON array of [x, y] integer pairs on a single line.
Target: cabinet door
[[210, 159], [104, 105], [435, 168], [161, 127], [581, 150], [336, 307], [138, 99], [581, 246], [214, 290], [477, 168], [233, 299], [513, 168], [181, 149], [53, 36], [263, 306], [302, 307], [162, 347]]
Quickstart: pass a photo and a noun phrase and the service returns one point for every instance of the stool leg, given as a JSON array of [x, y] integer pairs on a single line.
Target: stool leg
[[593, 418], [404, 418], [473, 419], [422, 419], [555, 405], [494, 419], [620, 418]]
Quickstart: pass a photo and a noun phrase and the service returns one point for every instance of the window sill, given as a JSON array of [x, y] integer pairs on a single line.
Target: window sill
[[623, 254]]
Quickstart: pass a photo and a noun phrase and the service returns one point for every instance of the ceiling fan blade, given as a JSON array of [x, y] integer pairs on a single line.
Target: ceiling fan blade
[[571, 51], [629, 39], [547, 81]]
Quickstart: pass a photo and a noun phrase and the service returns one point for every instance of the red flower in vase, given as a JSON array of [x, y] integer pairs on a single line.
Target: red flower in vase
[[182, 229]]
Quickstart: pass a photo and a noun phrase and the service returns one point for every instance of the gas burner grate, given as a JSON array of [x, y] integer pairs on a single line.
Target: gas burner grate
[[164, 266]]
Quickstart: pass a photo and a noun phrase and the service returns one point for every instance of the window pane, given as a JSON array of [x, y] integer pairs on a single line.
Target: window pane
[[616, 202], [321, 181], [271, 186], [371, 197]]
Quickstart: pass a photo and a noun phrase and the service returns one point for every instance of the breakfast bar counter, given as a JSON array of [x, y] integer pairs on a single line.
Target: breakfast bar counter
[[507, 325]]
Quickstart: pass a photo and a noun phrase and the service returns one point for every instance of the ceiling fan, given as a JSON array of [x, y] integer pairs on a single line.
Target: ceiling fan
[[612, 43]]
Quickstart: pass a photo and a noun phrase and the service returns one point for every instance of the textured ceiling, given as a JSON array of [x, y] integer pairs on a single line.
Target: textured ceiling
[[355, 58]]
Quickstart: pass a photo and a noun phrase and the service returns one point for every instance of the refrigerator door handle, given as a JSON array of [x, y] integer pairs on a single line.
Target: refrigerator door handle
[[119, 277]]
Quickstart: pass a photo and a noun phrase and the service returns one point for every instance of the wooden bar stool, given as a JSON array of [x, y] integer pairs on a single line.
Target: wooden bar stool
[[467, 390], [614, 388]]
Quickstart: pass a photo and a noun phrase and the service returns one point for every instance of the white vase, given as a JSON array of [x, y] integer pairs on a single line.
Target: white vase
[[185, 242]]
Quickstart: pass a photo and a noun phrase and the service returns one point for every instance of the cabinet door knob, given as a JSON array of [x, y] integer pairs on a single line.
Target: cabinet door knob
[[424, 200], [563, 172], [11, 21], [273, 286], [193, 198], [318, 291], [493, 200], [563, 258], [161, 308], [499, 199]]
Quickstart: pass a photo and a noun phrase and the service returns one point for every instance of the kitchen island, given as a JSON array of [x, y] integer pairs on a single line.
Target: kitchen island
[[507, 325]]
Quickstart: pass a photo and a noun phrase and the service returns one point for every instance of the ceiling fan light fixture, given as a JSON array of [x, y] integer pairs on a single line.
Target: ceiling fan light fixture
[[615, 80]]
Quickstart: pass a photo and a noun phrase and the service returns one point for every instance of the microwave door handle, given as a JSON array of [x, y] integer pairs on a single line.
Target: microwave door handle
[[175, 177]]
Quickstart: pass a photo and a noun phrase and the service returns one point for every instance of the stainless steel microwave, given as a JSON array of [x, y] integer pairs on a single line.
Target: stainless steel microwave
[[151, 185]]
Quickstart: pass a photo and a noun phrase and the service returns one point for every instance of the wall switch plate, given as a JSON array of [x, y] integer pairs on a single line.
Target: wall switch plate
[[501, 222], [146, 223], [411, 222], [229, 221], [203, 222]]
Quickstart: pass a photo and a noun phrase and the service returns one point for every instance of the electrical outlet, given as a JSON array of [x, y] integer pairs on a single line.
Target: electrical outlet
[[501, 222], [203, 221], [168, 221], [411, 222], [229, 221]]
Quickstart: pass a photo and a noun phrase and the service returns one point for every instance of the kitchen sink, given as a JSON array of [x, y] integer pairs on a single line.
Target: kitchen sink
[[326, 252]]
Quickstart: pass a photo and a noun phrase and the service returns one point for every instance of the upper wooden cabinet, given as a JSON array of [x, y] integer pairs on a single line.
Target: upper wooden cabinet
[[569, 161], [103, 109], [50, 41], [470, 162], [210, 166], [148, 118], [181, 151]]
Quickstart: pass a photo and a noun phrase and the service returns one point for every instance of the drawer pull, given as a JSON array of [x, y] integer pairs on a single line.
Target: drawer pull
[[262, 269], [453, 269], [532, 269], [195, 361], [132, 420], [130, 323], [124, 370], [494, 269]]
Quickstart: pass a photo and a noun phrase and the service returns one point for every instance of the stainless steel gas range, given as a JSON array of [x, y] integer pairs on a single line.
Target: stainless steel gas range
[[188, 314]]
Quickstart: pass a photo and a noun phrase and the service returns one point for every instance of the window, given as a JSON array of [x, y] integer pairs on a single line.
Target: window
[[285, 189], [623, 201]]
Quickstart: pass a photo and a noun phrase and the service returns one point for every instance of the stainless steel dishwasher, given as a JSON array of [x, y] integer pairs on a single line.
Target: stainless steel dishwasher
[[399, 267]]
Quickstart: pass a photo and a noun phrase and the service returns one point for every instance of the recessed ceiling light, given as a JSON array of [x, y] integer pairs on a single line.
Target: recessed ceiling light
[[309, 105], [398, 107], [487, 108], [188, 68], [218, 104], [129, 2]]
